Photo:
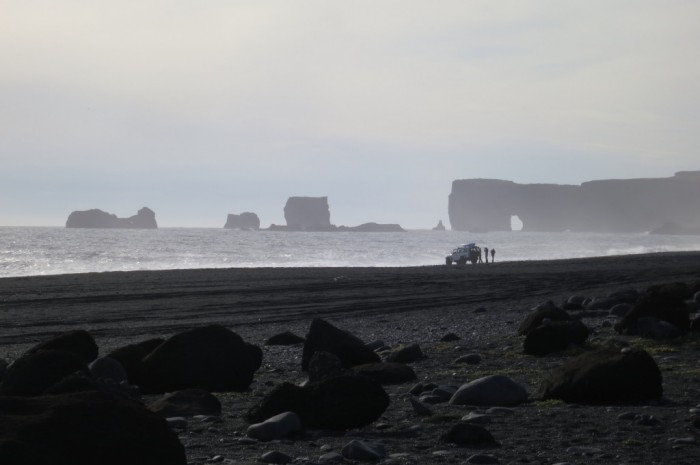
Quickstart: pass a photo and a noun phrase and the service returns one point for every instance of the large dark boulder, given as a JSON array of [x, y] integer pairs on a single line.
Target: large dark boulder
[[606, 376], [338, 403], [245, 221], [555, 336], [84, 429], [211, 358], [95, 218], [665, 304], [32, 374], [543, 312], [78, 342], [130, 357], [323, 336]]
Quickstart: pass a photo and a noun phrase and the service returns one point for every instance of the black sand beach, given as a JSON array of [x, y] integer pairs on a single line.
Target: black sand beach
[[482, 304]]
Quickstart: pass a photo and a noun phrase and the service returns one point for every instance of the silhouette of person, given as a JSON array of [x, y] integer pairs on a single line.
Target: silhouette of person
[[486, 252], [480, 260], [493, 255]]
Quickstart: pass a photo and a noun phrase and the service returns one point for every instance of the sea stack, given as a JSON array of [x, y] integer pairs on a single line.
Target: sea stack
[[244, 221], [95, 218], [308, 214]]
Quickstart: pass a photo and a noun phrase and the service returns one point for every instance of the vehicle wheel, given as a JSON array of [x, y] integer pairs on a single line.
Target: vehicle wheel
[[448, 261], [462, 261]]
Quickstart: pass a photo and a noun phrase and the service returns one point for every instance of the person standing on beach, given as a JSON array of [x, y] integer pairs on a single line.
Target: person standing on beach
[[493, 255], [486, 252]]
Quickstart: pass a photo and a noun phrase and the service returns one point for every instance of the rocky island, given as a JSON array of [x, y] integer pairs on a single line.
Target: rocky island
[[313, 214], [606, 206], [244, 221], [95, 218]]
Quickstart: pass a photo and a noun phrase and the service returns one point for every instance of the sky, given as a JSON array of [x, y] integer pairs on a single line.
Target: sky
[[197, 109]]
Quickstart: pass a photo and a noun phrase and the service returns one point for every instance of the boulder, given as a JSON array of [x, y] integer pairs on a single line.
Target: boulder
[[32, 374], [131, 356], [494, 390], [469, 435], [212, 358], [95, 218], [84, 429], [186, 403], [339, 403], [108, 369], [286, 338], [543, 312], [555, 336], [666, 305], [605, 376], [325, 365], [244, 221], [660, 330], [348, 348], [406, 354], [78, 342]]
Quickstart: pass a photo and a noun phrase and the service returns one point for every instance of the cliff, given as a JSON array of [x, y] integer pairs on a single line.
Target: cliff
[[245, 220], [144, 219], [616, 206]]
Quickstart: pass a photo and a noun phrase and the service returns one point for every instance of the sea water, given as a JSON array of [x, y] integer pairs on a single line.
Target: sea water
[[56, 250]]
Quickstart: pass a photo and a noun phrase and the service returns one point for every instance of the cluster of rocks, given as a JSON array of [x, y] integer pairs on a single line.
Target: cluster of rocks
[[61, 392]]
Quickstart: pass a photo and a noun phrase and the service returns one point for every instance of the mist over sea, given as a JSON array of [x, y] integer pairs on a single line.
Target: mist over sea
[[57, 250]]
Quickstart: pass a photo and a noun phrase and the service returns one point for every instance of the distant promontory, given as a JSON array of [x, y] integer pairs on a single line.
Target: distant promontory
[[95, 218], [606, 206]]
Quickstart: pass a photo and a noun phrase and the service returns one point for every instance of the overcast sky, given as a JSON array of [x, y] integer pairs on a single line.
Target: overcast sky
[[198, 109]]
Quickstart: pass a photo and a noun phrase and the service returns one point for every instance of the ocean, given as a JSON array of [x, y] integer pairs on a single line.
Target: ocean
[[28, 251]]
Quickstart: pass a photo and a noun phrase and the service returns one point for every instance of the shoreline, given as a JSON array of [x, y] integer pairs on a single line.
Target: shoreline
[[483, 305]]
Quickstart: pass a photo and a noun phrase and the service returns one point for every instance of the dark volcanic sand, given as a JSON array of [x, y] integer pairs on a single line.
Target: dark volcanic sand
[[395, 305]]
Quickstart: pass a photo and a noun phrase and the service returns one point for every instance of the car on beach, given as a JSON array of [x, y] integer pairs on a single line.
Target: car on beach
[[464, 253]]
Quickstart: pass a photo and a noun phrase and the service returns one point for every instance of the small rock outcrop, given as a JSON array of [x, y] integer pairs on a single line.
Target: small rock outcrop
[[244, 221], [95, 218], [439, 227]]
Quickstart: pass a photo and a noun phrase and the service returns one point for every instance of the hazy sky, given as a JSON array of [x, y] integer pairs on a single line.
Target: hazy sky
[[199, 108]]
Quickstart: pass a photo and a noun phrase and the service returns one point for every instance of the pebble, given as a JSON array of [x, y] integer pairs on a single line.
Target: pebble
[[469, 359], [627, 416], [583, 450], [177, 422], [363, 450], [500, 411], [331, 457], [688, 440], [419, 408], [476, 418], [482, 459], [275, 456], [277, 427]]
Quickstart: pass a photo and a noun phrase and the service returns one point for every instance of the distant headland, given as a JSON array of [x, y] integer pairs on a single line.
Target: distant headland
[[606, 206], [95, 218]]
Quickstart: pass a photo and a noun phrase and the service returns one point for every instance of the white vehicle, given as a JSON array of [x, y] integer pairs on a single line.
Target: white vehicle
[[463, 254]]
